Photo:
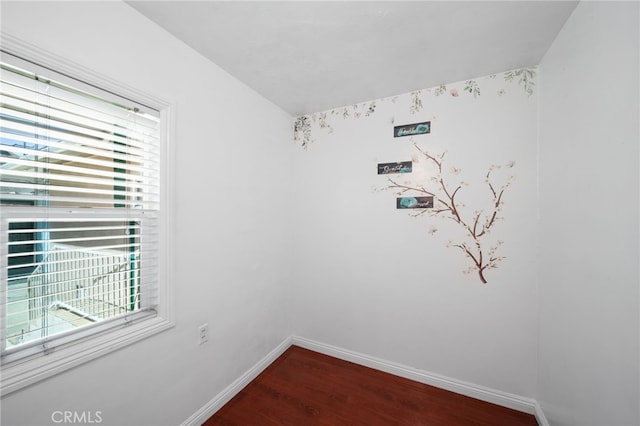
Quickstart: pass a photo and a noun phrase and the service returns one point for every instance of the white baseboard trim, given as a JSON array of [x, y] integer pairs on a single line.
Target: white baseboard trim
[[527, 405], [234, 388], [482, 393], [540, 417]]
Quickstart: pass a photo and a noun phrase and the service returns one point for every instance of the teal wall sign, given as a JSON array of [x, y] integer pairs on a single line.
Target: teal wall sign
[[412, 129]]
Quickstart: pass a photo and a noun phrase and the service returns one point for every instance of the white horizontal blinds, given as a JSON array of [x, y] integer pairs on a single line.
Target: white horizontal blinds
[[67, 148], [79, 207]]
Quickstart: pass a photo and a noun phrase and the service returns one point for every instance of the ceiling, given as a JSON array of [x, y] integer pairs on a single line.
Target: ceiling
[[310, 56]]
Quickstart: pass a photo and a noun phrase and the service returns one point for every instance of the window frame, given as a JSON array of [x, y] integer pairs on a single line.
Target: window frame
[[100, 340]]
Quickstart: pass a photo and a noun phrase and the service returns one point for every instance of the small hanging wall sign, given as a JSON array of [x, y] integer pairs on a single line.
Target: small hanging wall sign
[[400, 167], [412, 129], [414, 202]]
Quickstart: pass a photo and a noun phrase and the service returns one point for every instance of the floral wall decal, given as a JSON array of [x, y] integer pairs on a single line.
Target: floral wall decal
[[371, 109], [471, 86], [322, 122], [525, 78], [476, 226], [416, 102], [468, 228], [440, 90], [302, 130], [305, 126]]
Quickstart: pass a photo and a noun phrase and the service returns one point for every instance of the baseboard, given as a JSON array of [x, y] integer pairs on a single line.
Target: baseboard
[[482, 393], [230, 391], [540, 417]]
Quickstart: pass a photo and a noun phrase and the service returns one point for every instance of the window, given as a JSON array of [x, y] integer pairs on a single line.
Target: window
[[83, 226]]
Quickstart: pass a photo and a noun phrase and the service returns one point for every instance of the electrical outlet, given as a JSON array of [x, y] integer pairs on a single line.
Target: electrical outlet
[[203, 333]]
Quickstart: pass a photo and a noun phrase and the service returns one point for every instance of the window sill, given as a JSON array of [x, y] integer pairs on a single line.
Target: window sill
[[21, 373]]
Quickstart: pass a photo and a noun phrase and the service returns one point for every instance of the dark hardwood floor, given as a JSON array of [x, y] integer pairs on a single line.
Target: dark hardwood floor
[[303, 388]]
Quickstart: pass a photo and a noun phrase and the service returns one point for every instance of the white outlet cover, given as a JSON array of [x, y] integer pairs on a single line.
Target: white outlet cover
[[203, 333]]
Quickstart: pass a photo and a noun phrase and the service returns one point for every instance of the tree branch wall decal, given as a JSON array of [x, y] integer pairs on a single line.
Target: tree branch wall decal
[[476, 226]]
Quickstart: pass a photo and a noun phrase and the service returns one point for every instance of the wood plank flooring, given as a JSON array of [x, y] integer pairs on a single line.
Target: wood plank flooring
[[304, 388]]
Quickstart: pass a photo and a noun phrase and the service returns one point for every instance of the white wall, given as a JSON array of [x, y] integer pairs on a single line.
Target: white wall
[[232, 156], [371, 279], [367, 277], [589, 133]]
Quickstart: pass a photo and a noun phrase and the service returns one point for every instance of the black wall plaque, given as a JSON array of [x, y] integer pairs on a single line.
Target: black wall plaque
[[400, 167], [412, 129], [414, 202]]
